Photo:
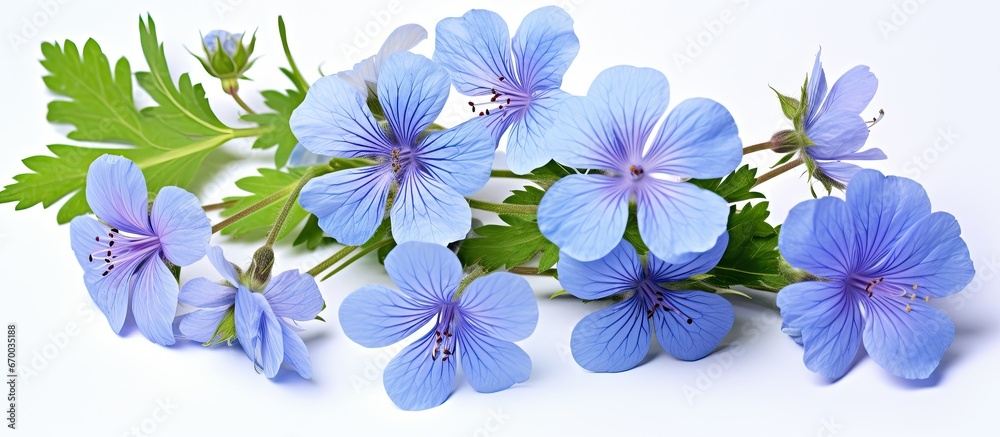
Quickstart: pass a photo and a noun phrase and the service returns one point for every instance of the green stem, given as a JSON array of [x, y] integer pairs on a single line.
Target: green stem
[[771, 174], [300, 82], [477, 272], [359, 255], [531, 271], [293, 197], [236, 97], [315, 271], [251, 209], [503, 208], [757, 147], [218, 206], [506, 174], [250, 132]]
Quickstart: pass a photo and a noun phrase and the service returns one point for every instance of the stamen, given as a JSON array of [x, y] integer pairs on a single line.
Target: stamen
[[881, 113], [908, 308]]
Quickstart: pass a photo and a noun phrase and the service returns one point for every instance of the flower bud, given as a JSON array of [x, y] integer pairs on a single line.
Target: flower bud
[[786, 141], [226, 57], [259, 273]]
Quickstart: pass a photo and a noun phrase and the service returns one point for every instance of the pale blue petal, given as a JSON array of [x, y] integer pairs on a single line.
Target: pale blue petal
[[294, 295], [544, 47], [179, 221], [415, 381], [816, 89], [527, 148], [852, 92], [883, 208], [201, 325], [116, 192], [635, 99], [427, 273], [375, 316], [829, 320], [583, 135], [710, 315], [111, 292], [873, 154], [613, 339], [202, 293], [412, 90], [334, 119], [678, 218], [818, 236], [836, 135], [428, 210], [585, 215], [699, 139], [475, 48], [931, 259], [350, 204], [697, 263], [259, 331], [500, 305], [296, 354], [460, 157], [908, 344], [154, 301], [302, 157], [841, 172], [491, 364], [617, 272], [222, 265]]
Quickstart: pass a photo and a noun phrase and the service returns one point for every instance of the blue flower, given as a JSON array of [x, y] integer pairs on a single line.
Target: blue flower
[[428, 172], [477, 328], [586, 214], [523, 89], [881, 255], [833, 123], [688, 324], [125, 255], [230, 42], [364, 78], [264, 319]]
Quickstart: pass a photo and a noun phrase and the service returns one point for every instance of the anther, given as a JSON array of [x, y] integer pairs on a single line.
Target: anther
[[481, 114], [689, 321], [927, 298], [472, 104], [487, 112], [908, 308], [112, 243], [501, 78], [97, 238], [115, 230]]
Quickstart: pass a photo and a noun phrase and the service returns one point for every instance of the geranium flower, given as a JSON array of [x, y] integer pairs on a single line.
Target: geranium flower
[[125, 255], [881, 255], [688, 324], [428, 172], [475, 327], [524, 90], [265, 319], [586, 214]]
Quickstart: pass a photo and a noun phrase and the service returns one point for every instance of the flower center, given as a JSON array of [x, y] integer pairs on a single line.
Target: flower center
[[636, 171], [501, 98], [443, 345], [871, 287], [122, 249], [652, 296], [401, 158]]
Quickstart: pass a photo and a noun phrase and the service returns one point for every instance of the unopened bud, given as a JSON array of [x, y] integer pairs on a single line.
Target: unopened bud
[[786, 141], [260, 268]]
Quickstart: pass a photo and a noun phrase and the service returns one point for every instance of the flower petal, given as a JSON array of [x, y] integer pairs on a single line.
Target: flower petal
[[460, 157], [544, 47], [585, 215], [816, 89], [699, 139], [350, 203], [836, 135], [116, 192], [181, 225], [201, 325], [259, 331], [475, 48], [412, 90], [500, 305], [375, 316], [677, 219], [852, 92], [111, 292], [302, 157], [222, 265], [526, 145], [818, 236], [202, 293], [829, 320], [427, 273], [415, 381], [334, 119], [583, 135], [296, 354], [491, 364], [154, 301], [711, 317], [884, 208], [428, 210], [294, 295], [696, 264], [841, 172], [613, 339], [931, 258], [366, 72], [909, 344], [635, 98], [617, 272]]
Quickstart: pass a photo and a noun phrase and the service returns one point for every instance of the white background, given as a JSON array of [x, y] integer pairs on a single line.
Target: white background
[[937, 65]]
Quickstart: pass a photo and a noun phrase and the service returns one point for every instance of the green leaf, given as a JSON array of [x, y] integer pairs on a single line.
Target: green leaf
[[312, 235], [751, 258], [508, 246], [268, 183], [735, 187], [168, 140], [279, 132]]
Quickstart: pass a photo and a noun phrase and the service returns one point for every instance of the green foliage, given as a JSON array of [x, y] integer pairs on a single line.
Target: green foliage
[[752, 257], [735, 187], [168, 140], [513, 244], [312, 235], [279, 133], [268, 183]]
